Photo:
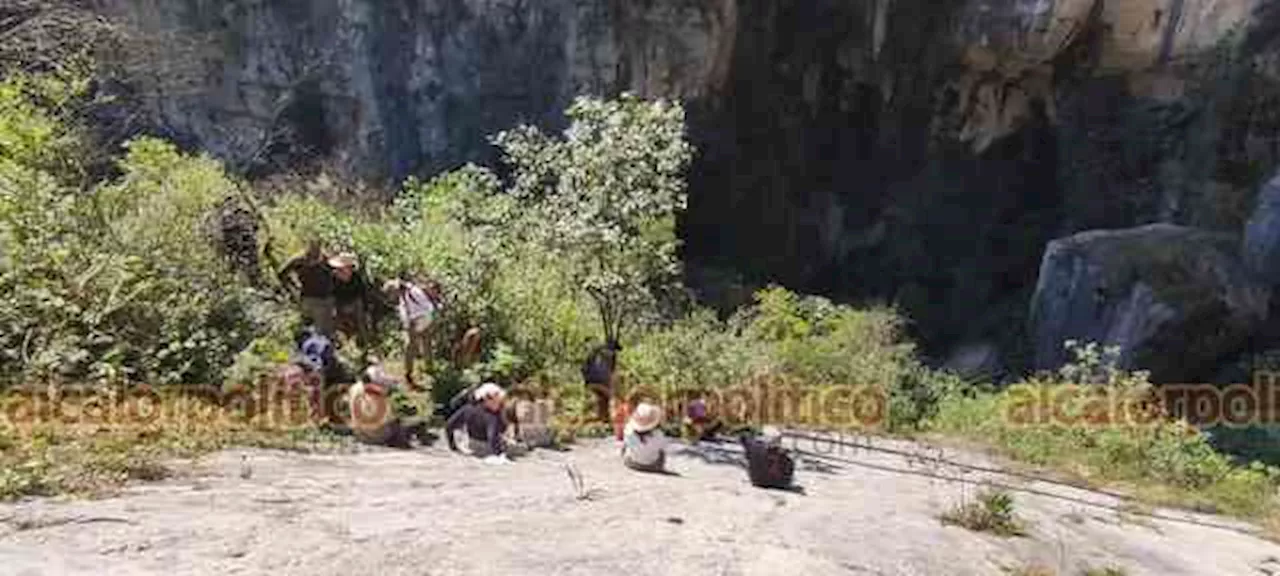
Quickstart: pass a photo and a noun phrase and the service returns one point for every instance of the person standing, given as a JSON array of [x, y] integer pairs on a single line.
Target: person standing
[[351, 293], [417, 313], [598, 375], [310, 274]]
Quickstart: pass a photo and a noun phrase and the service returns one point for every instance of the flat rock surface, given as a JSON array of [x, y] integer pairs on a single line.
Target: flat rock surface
[[431, 512]]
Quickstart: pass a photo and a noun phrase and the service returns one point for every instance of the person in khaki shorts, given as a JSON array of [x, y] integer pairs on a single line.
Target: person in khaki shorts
[[312, 276], [418, 312]]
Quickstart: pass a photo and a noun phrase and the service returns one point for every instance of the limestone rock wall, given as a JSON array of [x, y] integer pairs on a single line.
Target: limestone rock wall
[[922, 152]]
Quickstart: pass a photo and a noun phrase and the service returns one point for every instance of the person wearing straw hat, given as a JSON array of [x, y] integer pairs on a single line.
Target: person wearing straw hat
[[374, 416], [484, 423], [643, 442], [350, 294]]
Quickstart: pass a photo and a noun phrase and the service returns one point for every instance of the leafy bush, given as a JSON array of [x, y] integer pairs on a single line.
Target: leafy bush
[[452, 229], [117, 282], [992, 511], [1106, 430], [605, 199], [790, 343]]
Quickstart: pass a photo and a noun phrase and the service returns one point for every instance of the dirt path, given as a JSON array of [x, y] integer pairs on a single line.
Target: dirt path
[[432, 512]]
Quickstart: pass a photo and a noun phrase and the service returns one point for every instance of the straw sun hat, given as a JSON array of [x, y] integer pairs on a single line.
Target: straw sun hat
[[646, 417]]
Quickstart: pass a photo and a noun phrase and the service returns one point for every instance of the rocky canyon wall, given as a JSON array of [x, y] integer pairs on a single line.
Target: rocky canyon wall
[[920, 152]]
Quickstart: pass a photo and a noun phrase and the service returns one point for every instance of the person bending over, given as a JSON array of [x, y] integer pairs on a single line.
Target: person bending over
[[483, 421], [768, 464]]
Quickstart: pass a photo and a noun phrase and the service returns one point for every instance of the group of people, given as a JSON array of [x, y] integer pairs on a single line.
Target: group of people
[[486, 419], [335, 297], [332, 293]]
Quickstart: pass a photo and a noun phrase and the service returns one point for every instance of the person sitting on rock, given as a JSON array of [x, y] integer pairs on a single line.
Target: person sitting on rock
[[484, 423], [643, 443], [699, 424], [374, 416], [315, 363], [768, 464]]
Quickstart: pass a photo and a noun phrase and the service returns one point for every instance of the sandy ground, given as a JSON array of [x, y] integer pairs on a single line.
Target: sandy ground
[[428, 511]]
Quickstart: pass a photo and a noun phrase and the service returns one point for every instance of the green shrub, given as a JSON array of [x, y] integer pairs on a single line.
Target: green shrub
[[1103, 431], [992, 511], [118, 282], [790, 343]]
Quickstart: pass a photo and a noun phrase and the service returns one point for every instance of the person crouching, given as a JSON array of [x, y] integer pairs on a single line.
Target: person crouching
[[643, 443], [374, 418], [484, 423], [768, 464]]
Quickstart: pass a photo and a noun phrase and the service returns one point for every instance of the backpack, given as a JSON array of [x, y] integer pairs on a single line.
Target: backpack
[[596, 368], [316, 353], [768, 465]]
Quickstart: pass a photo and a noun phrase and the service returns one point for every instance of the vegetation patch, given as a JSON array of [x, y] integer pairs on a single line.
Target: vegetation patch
[[992, 511], [1106, 430]]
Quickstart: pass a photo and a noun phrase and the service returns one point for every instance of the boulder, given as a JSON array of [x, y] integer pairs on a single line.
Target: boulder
[[1262, 234], [1175, 300], [971, 360]]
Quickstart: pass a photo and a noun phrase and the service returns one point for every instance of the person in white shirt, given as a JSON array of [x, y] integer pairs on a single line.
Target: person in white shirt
[[418, 310], [643, 443]]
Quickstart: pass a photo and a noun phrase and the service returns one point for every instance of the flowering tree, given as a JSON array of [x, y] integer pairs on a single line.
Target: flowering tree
[[605, 197]]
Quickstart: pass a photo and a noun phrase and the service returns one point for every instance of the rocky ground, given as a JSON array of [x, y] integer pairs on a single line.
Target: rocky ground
[[427, 511]]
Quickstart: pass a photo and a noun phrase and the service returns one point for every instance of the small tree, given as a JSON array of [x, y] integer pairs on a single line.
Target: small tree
[[605, 197]]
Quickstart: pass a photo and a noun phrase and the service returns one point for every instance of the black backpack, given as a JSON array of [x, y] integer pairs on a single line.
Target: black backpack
[[768, 465], [596, 369]]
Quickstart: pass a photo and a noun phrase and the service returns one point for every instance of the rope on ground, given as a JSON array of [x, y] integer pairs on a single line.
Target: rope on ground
[[918, 457], [1009, 487]]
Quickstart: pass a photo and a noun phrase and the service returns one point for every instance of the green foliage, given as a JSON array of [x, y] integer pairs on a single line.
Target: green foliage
[[787, 342], [605, 198], [1105, 430], [992, 511], [118, 282]]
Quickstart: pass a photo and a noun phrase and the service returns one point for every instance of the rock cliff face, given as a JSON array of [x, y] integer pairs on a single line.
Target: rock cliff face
[[916, 151], [1175, 300]]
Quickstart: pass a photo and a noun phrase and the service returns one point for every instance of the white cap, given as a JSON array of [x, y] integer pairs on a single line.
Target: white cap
[[487, 390]]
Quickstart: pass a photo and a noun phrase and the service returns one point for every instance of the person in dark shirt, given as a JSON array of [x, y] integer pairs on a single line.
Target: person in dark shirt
[[310, 274], [350, 294], [597, 374], [483, 421], [768, 464]]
